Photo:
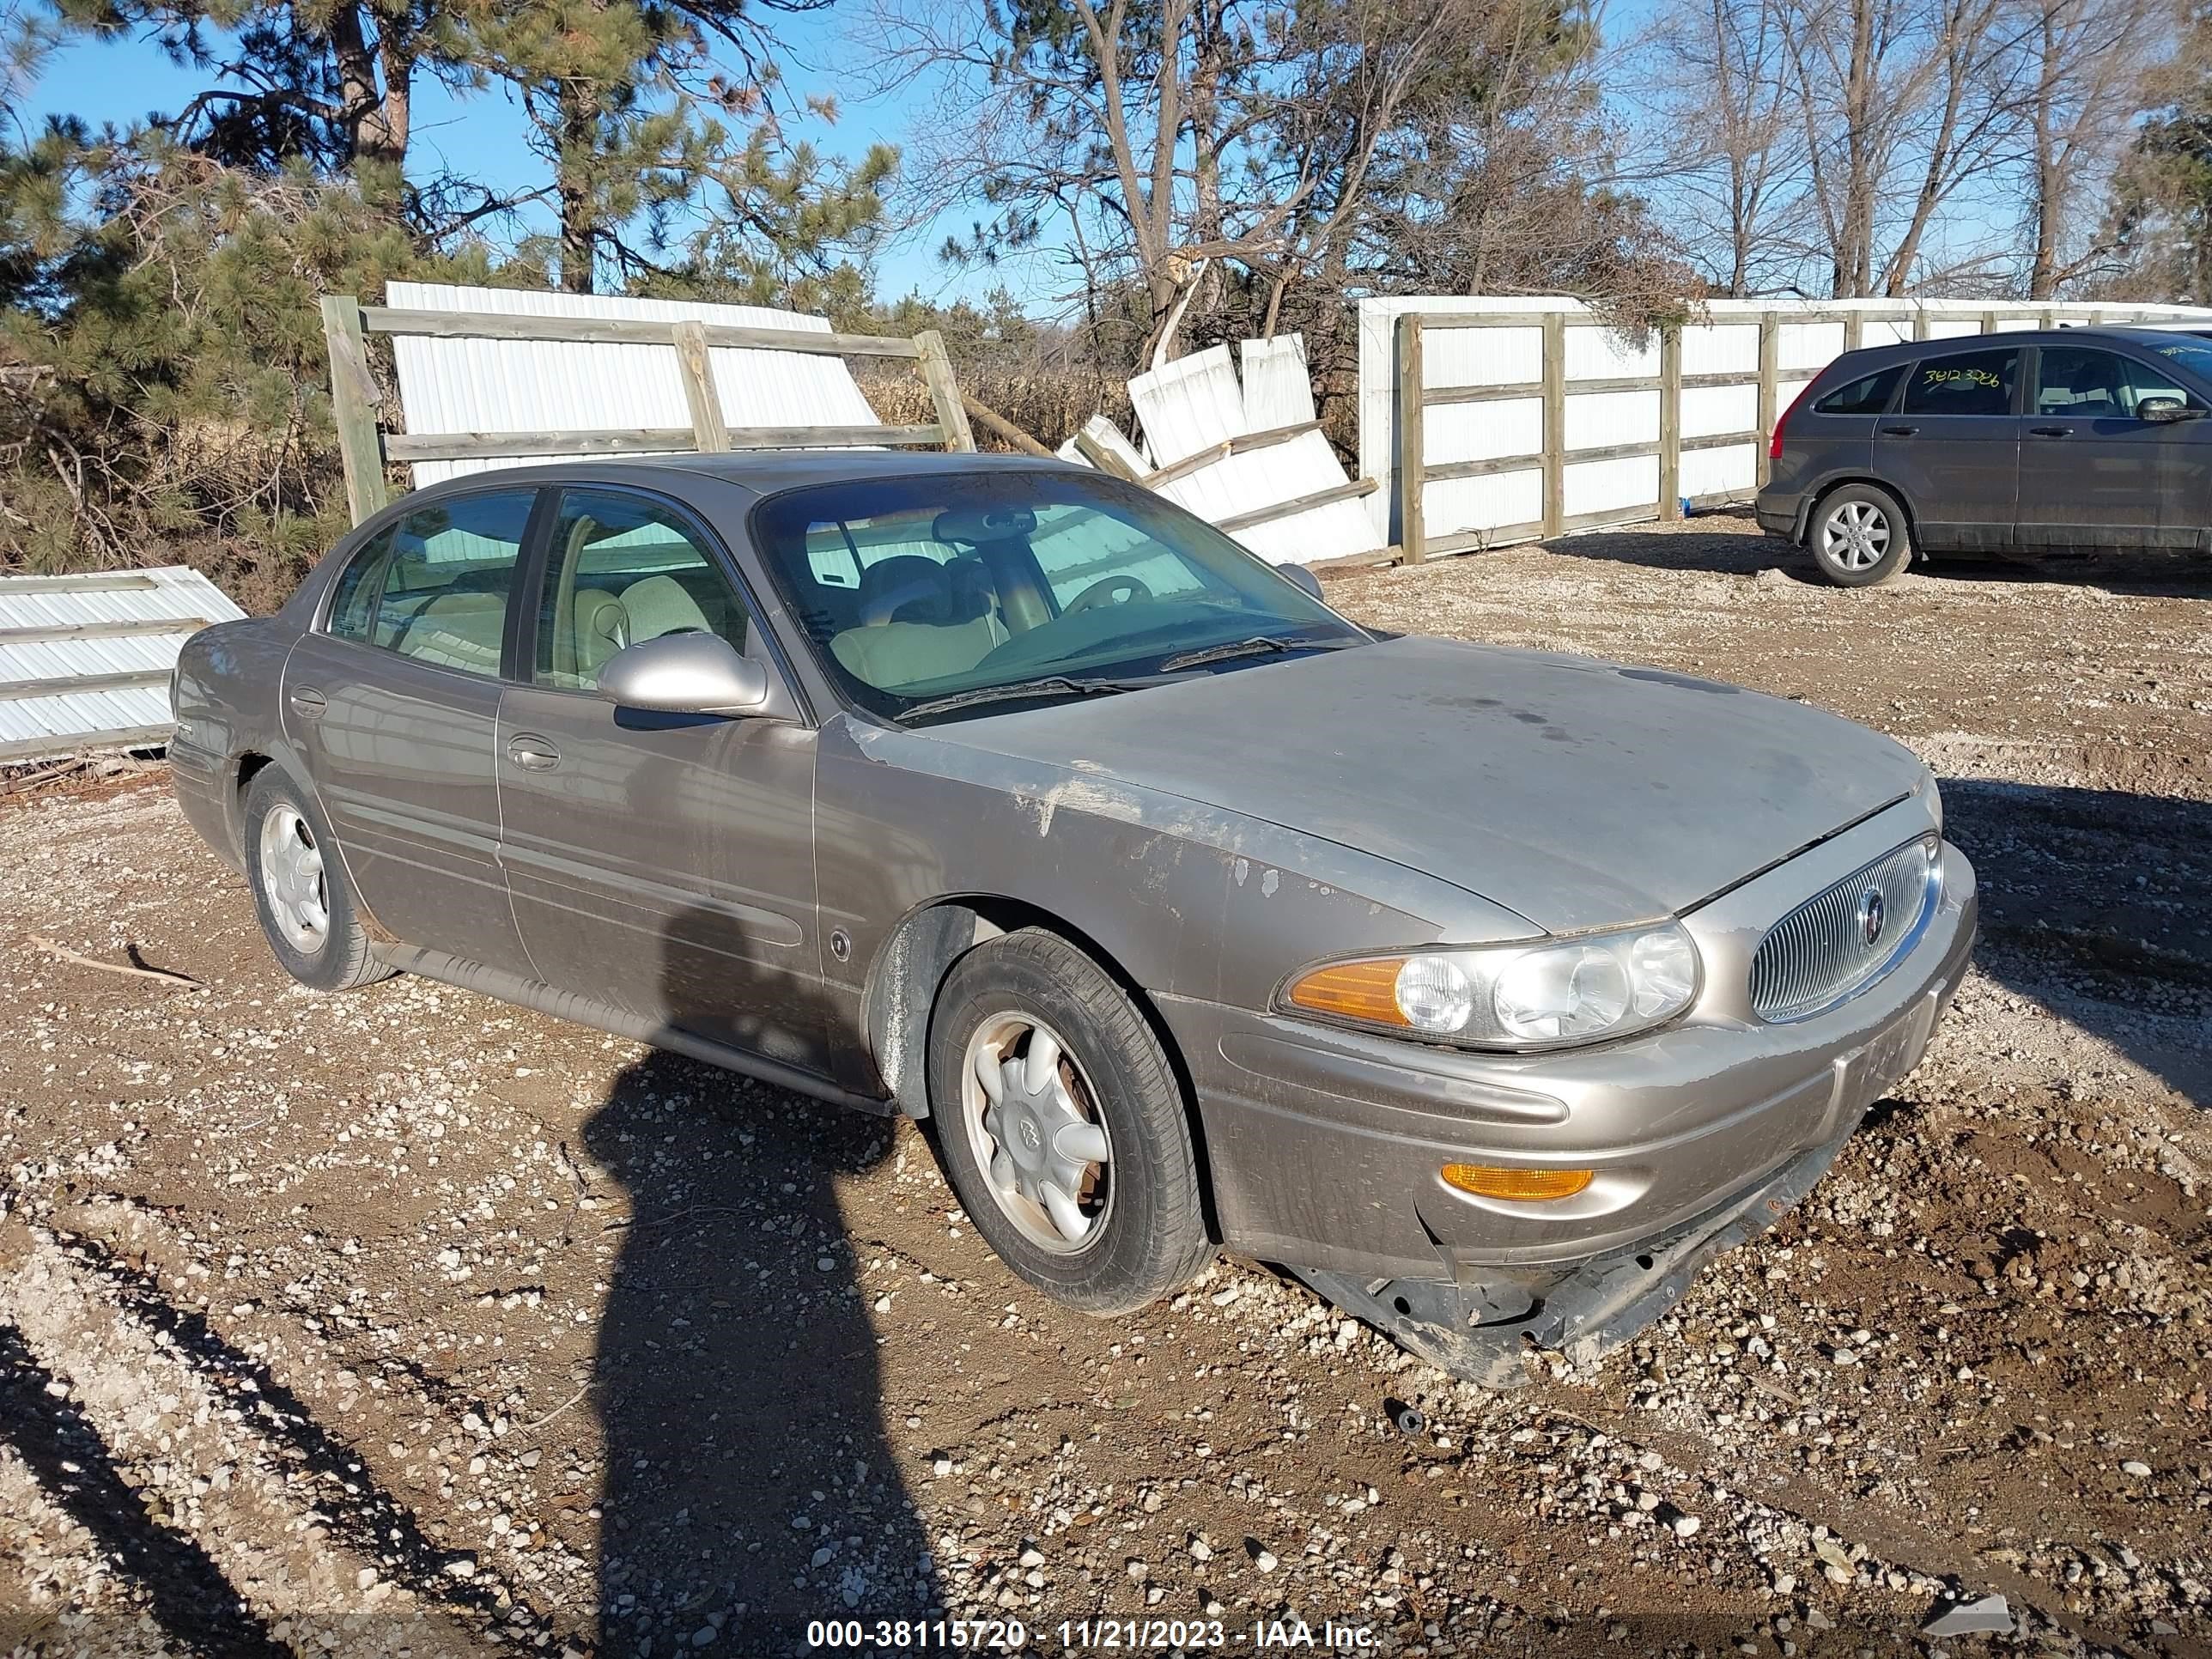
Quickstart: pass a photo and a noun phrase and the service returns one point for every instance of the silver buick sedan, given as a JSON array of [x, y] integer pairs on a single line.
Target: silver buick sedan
[[1490, 992]]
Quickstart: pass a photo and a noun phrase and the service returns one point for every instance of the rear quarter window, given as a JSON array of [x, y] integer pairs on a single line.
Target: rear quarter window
[[1870, 394]]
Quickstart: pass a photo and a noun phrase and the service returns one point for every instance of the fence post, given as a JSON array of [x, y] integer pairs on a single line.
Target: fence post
[[1555, 422], [1920, 325], [1854, 331], [1770, 341], [944, 389], [353, 406], [1412, 440], [697, 373], [1670, 421], [1988, 322]]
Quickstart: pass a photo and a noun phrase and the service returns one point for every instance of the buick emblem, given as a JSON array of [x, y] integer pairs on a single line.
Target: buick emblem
[[1871, 917]]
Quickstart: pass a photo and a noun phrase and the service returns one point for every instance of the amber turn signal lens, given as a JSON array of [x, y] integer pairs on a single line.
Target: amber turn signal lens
[[1491, 1181], [1353, 990]]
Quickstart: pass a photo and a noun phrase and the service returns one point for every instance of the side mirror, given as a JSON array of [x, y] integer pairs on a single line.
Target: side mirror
[[685, 674], [2162, 409], [1298, 576]]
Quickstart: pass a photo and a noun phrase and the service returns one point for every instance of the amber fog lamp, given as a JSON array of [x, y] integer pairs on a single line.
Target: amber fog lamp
[[1493, 1181], [1353, 990]]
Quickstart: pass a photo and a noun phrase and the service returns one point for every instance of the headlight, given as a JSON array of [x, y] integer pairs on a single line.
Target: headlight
[[1927, 788], [1544, 995]]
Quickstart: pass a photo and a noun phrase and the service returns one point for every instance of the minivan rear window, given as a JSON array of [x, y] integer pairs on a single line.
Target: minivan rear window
[[1868, 395]]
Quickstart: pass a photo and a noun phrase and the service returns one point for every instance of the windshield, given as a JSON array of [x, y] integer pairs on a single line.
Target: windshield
[[914, 590]]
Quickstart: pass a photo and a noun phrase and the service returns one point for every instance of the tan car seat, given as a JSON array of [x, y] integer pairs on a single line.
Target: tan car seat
[[917, 623]]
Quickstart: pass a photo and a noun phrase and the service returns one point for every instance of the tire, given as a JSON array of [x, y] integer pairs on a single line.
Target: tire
[[1102, 1236], [1859, 536], [290, 865]]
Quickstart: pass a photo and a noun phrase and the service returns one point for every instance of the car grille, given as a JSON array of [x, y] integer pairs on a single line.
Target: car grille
[[1819, 953]]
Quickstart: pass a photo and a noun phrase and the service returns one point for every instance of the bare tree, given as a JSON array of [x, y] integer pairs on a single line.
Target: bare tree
[[1727, 143], [2088, 68]]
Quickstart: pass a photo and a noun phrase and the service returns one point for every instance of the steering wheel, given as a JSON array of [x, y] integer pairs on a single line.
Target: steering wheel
[[1107, 590]]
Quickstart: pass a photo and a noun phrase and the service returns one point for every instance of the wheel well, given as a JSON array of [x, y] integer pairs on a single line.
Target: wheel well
[[901, 996], [1904, 504], [248, 765]]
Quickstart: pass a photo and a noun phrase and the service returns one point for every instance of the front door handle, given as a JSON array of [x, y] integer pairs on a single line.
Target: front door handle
[[1900, 431], [532, 753], [2053, 431], [307, 702]]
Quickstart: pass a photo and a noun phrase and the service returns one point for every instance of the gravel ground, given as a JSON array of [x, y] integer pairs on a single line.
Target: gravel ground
[[407, 1322]]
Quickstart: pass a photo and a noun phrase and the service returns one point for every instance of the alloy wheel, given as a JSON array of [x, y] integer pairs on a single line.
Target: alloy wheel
[[1855, 536], [1033, 1123], [292, 876]]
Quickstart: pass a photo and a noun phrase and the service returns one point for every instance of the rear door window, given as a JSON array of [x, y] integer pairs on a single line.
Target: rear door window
[[1964, 383], [435, 585]]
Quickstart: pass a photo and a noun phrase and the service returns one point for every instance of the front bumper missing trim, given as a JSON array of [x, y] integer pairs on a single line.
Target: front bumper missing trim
[[1478, 1331]]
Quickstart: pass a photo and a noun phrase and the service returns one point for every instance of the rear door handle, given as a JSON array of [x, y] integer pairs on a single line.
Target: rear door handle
[[2053, 431], [1900, 431], [307, 702], [532, 753]]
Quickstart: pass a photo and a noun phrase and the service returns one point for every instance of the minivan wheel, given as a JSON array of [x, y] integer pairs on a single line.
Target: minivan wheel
[[1859, 536], [300, 893], [1061, 1126]]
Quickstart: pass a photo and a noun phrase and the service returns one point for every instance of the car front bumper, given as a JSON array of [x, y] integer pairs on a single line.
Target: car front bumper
[[1325, 1146]]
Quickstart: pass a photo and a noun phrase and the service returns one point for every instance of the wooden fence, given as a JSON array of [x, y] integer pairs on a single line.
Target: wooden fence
[[366, 448], [1416, 396]]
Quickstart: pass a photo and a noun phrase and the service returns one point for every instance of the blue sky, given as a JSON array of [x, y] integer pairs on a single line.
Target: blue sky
[[122, 81]]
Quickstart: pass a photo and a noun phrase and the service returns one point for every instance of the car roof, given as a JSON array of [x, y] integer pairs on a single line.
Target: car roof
[[763, 471], [1907, 350]]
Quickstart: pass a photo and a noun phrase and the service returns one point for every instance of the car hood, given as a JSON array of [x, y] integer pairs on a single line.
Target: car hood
[[1576, 793]]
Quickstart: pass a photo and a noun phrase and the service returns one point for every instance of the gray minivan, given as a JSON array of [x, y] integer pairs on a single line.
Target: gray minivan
[[2062, 440]]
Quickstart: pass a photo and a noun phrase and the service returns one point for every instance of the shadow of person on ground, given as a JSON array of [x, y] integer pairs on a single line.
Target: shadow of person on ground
[[750, 1486], [2097, 904]]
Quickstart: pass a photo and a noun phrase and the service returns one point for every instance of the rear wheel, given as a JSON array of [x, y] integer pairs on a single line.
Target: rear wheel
[[1859, 536], [1061, 1125], [300, 892]]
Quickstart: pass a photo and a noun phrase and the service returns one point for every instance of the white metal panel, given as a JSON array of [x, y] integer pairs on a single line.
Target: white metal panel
[[1720, 349], [1195, 402], [1951, 328], [1108, 436], [1885, 330], [2008, 325], [1482, 432], [546, 385], [1278, 385], [1608, 486], [1733, 471], [1597, 419], [1710, 410], [1605, 353], [1806, 345], [58, 724], [1482, 356], [1504, 498], [1188, 404]]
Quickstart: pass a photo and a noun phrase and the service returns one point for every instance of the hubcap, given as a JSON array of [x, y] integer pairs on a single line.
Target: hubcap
[[292, 876], [1855, 536], [1032, 1124]]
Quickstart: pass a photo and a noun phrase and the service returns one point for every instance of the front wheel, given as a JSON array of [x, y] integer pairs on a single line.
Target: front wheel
[[1859, 536], [1061, 1125]]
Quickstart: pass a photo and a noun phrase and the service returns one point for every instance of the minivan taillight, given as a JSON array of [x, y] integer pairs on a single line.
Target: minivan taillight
[[1774, 443]]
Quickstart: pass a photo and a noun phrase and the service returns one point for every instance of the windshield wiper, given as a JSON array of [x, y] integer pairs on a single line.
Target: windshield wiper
[[1048, 685], [1258, 646]]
